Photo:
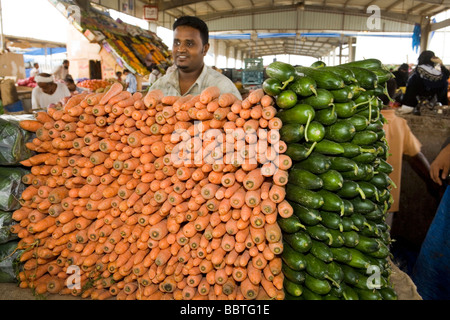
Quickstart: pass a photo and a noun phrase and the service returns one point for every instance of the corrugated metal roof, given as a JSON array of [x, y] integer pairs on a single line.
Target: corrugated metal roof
[[300, 16]]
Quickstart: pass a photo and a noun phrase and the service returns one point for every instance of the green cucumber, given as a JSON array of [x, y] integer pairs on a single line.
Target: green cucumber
[[351, 238], [346, 74], [281, 71], [359, 122], [304, 197], [383, 75], [382, 253], [350, 189], [317, 285], [305, 179], [297, 151], [367, 294], [348, 207], [349, 294], [310, 295], [331, 220], [365, 78], [306, 215], [316, 163], [342, 95], [367, 244], [318, 64], [381, 180], [359, 260], [363, 138], [348, 224], [292, 132], [362, 205], [369, 189], [388, 293], [297, 277], [351, 276], [291, 224], [359, 221], [370, 63], [314, 131], [341, 254], [341, 131], [321, 100], [319, 232], [304, 86], [332, 180], [336, 273], [316, 268], [345, 109], [366, 157], [272, 86], [361, 173], [292, 288], [299, 241], [286, 99], [326, 116], [342, 164], [356, 89], [300, 113], [321, 251], [293, 259], [326, 147], [336, 240], [351, 150], [324, 79], [332, 202]]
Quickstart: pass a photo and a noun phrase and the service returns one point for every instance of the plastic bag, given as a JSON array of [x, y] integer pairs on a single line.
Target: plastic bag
[[13, 139], [9, 262], [11, 187], [6, 221]]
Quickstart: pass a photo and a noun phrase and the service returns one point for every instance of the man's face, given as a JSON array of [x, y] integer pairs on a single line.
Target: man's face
[[46, 87], [66, 65], [188, 49]]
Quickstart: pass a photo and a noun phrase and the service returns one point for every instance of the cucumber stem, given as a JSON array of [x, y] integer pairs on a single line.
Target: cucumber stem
[[285, 83], [306, 127], [313, 90], [333, 282], [311, 149], [341, 227], [342, 211], [361, 192], [330, 238]]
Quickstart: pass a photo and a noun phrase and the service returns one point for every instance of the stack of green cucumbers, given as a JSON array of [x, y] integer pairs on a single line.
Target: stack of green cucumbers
[[336, 244]]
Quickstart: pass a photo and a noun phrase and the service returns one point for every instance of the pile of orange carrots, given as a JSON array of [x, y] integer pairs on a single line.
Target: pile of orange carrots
[[139, 194]]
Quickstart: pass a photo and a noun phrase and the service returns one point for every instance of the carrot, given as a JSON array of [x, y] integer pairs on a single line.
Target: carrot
[[255, 96], [152, 98], [277, 193], [248, 289], [30, 125], [285, 210], [209, 94], [113, 91]]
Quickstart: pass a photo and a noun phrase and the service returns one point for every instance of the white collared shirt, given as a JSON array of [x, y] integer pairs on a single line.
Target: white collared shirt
[[169, 84]]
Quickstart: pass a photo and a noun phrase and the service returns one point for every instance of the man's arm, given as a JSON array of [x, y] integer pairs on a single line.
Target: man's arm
[[440, 167]]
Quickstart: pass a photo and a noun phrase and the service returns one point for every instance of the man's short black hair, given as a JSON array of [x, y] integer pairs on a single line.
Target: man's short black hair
[[126, 71], [195, 23], [65, 61]]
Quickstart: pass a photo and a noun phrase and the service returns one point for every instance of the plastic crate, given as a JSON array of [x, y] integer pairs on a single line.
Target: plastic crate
[[252, 77], [254, 64]]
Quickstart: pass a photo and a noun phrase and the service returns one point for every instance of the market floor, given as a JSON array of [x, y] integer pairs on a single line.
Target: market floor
[[403, 285]]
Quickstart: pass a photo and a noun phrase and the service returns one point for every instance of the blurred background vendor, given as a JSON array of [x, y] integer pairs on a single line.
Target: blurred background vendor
[[47, 92]]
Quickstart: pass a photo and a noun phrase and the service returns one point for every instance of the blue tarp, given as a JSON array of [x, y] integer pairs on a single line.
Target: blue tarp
[[41, 51], [265, 35]]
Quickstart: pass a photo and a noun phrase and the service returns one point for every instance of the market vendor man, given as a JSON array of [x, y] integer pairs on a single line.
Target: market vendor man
[[47, 92], [192, 76]]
